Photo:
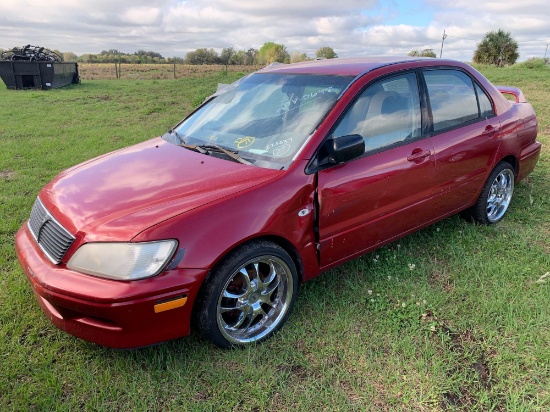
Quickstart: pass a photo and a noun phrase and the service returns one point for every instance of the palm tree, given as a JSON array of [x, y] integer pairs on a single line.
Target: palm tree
[[497, 48]]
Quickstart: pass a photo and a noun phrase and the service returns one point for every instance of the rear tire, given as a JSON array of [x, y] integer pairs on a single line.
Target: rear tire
[[495, 198]]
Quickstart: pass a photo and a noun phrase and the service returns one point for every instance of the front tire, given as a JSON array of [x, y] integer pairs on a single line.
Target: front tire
[[495, 197], [249, 296]]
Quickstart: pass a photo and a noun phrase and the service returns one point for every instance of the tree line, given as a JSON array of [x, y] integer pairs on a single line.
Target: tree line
[[269, 53], [496, 48]]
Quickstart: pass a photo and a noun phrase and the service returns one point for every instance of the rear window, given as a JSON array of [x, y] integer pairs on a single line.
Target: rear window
[[452, 98]]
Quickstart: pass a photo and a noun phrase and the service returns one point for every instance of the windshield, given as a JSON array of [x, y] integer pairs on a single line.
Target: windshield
[[265, 118]]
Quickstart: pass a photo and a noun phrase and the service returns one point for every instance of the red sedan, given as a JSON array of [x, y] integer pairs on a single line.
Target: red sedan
[[274, 179]]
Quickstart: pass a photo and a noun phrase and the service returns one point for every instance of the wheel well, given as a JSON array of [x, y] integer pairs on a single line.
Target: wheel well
[[288, 247], [279, 241], [513, 162]]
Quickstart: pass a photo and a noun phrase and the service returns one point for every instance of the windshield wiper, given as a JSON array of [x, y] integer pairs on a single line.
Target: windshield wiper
[[180, 137], [206, 148], [194, 148], [232, 154]]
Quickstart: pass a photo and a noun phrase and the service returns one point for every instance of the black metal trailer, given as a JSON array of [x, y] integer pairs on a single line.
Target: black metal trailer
[[32, 67], [38, 75]]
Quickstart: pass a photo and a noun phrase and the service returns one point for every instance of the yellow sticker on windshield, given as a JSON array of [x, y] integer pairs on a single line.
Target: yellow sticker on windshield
[[243, 142]]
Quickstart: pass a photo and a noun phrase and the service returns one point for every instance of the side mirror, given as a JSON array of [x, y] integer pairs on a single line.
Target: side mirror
[[342, 149], [337, 150]]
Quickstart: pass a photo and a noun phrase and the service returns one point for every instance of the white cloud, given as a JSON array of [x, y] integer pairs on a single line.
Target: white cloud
[[141, 16], [351, 27]]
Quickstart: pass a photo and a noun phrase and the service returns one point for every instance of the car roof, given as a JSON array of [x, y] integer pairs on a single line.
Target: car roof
[[341, 66]]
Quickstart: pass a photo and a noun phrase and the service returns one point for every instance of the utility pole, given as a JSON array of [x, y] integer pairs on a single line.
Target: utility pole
[[546, 50], [442, 40]]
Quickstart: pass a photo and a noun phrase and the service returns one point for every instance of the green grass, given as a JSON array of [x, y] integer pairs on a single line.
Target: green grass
[[450, 318]]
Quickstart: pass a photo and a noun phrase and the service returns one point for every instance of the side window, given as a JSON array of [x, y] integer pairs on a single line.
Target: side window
[[485, 106], [385, 114], [452, 98]]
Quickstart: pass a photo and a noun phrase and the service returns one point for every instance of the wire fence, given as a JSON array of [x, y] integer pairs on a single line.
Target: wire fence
[[112, 71]]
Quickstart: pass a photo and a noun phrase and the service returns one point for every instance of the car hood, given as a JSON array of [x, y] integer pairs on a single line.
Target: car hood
[[118, 195]]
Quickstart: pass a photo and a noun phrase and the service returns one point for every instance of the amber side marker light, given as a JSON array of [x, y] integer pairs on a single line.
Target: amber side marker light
[[171, 304]]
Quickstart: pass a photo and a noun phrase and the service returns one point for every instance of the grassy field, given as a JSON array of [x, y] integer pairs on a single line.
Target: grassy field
[[454, 317]]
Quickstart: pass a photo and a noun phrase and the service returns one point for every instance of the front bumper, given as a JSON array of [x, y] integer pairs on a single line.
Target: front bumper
[[111, 313]]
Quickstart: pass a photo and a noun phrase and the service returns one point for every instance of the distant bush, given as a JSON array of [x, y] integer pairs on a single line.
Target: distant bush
[[535, 63]]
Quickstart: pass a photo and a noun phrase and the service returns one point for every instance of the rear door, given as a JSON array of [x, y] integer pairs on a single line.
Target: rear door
[[389, 190], [465, 134]]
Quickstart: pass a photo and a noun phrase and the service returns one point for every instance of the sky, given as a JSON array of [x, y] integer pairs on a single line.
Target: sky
[[350, 27]]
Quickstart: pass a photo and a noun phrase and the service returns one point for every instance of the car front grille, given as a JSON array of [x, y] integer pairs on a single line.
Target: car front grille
[[53, 239]]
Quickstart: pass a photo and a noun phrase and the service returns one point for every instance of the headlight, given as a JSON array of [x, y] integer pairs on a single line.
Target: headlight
[[122, 261]]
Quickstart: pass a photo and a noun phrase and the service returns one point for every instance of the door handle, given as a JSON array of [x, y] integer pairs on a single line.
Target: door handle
[[490, 131], [418, 154]]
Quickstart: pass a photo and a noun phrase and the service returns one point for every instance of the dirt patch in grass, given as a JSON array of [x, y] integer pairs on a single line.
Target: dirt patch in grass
[[297, 372], [472, 368], [352, 395], [441, 279], [7, 174], [545, 245], [104, 98], [473, 361]]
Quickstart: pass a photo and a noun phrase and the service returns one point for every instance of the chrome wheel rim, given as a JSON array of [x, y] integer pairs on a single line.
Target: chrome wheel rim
[[255, 299], [500, 195]]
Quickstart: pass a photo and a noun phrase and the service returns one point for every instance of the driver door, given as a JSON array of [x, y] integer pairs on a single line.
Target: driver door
[[387, 192]]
